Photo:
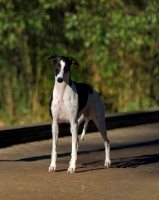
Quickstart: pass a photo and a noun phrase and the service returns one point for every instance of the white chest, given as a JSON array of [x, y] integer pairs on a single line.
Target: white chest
[[64, 106]]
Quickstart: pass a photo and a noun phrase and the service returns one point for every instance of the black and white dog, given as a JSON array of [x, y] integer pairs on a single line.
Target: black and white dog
[[73, 103]]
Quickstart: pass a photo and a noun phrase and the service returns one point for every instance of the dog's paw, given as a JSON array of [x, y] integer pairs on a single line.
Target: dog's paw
[[82, 137], [107, 164], [71, 170], [52, 169]]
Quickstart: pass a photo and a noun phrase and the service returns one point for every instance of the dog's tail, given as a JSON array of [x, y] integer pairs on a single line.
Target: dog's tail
[[84, 128]]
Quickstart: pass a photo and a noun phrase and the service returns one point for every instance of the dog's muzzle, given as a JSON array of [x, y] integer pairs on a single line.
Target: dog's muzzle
[[60, 80]]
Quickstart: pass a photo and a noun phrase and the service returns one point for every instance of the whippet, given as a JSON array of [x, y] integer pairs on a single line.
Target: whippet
[[73, 103]]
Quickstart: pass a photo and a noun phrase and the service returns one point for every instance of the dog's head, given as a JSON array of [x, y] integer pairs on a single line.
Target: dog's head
[[62, 65]]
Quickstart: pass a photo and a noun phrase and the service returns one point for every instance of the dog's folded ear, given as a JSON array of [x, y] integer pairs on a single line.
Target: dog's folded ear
[[73, 61], [52, 57]]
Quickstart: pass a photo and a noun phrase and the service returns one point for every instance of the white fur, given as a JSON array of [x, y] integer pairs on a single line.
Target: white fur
[[61, 74], [64, 108]]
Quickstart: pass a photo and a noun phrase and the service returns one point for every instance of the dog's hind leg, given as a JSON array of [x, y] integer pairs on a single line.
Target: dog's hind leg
[[98, 116], [84, 128]]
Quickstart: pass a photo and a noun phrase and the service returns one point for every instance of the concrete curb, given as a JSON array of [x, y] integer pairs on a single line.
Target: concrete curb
[[22, 134]]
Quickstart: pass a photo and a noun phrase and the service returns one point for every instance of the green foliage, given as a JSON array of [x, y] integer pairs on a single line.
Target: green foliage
[[116, 43], [121, 41]]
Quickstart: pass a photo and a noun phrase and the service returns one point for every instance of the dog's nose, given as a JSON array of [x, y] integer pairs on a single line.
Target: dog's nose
[[60, 80]]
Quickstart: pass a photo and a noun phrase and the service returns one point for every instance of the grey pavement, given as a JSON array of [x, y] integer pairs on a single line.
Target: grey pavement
[[134, 173]]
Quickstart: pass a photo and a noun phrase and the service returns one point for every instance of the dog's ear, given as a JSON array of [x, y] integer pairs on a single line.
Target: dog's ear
[[73, 61], [52, 57]]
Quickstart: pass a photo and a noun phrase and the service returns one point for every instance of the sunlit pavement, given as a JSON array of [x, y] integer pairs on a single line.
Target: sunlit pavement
[[134, 173]]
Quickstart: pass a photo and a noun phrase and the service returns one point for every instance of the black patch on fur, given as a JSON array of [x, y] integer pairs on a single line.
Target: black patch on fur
[[57, 69], [57, 65], [70, 82], [83, 91], [68, 62]]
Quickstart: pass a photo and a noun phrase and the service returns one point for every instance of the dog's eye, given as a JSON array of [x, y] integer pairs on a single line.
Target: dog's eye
[[65, 69], [57, 67]]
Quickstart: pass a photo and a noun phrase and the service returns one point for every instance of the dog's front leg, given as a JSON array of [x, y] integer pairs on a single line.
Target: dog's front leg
[[74, 130], [55, 133]]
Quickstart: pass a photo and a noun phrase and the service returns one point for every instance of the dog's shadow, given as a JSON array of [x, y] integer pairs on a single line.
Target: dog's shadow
[[131, 162], [126, 162], [86, 163]]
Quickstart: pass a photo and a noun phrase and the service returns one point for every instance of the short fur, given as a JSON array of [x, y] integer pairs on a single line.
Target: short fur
[[73, 103]]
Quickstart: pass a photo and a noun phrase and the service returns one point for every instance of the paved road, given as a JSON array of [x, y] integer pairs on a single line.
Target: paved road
[[134, 173]]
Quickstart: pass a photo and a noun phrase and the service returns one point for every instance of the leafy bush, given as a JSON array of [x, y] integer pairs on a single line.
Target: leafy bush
[[116, 43]]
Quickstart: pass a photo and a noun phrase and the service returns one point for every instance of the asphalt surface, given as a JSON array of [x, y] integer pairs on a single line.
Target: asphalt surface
[[134, 173]]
